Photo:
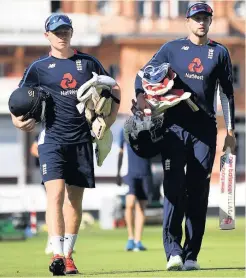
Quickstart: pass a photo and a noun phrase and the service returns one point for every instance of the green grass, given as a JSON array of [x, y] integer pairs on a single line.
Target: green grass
[[100, 254]]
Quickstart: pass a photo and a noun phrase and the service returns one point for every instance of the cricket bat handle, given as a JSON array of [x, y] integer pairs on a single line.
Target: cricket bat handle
[[228, 150]]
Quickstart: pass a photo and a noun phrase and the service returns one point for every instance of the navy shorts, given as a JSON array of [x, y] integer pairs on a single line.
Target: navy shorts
[[139, 187], [73, 163]]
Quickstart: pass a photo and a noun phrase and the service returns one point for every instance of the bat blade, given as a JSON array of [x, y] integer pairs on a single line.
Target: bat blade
[[227, 191]]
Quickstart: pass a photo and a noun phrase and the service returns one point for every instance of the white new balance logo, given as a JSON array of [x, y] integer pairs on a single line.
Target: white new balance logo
[[51, 66], [185, 47]]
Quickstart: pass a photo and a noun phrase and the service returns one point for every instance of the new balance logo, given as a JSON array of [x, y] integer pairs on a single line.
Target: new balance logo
[[51, 66], [185, 47]]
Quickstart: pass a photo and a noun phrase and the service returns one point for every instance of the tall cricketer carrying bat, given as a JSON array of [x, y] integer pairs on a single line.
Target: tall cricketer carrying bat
[[227, 191]]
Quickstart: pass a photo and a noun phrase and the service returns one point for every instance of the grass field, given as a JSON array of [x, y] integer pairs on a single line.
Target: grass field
[[101, 254]]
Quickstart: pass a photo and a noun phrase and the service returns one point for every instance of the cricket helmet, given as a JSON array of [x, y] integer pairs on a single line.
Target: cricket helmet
[[145, 136], [29, 102]]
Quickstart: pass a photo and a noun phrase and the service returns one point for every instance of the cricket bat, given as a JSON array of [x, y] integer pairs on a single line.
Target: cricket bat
[[227, 191]]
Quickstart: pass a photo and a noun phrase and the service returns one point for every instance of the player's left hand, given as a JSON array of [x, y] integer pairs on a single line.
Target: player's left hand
[[230, 142], [27, 125], [141, 103]]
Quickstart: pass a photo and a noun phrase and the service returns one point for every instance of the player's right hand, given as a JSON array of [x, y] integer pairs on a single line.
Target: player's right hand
[[118, 180], [27, 125], [141, 102], [230, 142]]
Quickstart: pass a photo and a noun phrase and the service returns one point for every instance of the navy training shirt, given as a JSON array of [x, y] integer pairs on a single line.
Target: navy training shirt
[[138, 167], [199, 69], [61, 78]]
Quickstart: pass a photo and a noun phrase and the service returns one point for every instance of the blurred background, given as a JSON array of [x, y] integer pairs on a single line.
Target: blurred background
[[123, 35]]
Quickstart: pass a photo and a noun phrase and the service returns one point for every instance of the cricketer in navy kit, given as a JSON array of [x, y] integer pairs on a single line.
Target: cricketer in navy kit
[[139, 181], [190, 140], [64, 126], [65, 145]]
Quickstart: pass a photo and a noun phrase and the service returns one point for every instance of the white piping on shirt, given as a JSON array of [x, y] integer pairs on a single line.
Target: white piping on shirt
[[226, 109]]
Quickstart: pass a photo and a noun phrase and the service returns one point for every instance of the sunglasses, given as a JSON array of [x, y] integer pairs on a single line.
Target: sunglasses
[[54, 19], [202, 6]]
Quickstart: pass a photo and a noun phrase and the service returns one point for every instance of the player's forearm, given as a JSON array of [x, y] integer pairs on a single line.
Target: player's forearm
[[228, 108], [138, 86]]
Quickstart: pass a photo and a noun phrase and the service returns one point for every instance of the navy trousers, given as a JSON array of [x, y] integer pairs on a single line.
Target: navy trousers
[[187, 156]]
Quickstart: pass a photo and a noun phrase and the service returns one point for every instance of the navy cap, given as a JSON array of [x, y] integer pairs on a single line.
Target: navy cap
[[57, 20], [199, 7]]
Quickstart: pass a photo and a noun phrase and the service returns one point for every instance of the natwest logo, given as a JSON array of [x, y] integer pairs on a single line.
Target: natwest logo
[[196, 66], [68, 82], [194, 76]]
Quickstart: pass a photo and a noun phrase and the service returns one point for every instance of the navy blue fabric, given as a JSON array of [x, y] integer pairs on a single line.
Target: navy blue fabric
[[139, 187], [199, 70], [198, 8], [61, 78], [73, 163], [137, 167], [186, 191]]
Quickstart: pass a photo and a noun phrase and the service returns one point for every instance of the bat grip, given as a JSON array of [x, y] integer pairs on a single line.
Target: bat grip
[[228, 150]]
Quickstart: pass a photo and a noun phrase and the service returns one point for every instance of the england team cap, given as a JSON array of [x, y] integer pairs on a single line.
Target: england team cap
[[198, 7]]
